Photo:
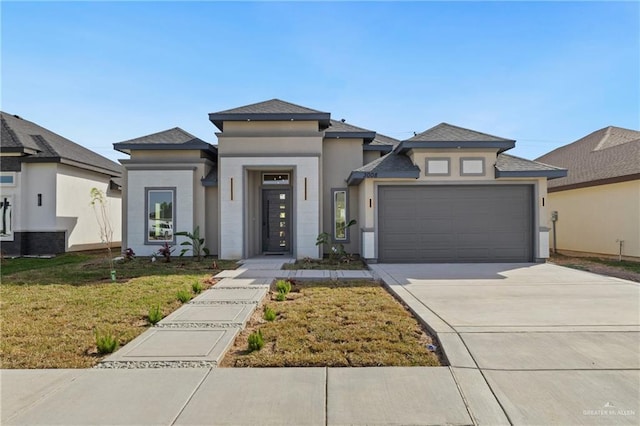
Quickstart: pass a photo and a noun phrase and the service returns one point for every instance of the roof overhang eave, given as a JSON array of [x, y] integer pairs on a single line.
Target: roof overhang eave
[[549, 174], [381, 148], [407, 145], [358, 176], [323, 118], [367, 136]]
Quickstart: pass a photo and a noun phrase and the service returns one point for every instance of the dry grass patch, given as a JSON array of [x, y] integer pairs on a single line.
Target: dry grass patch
[[328, 264], [336, 324], [51, 308]]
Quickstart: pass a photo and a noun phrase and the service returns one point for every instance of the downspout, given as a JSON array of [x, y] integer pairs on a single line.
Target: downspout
[[621, 244]]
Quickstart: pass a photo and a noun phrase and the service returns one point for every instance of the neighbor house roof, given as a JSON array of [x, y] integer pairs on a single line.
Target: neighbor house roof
[[170, 139], [340, 129], [512, 166], [391, 165], [274, 109], [38, 144], [608, 155], [448, 136]]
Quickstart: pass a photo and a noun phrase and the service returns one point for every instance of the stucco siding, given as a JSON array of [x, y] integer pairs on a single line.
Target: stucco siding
[[234, 193], [38, 178], [211, 233], [339, 158], [420, 156], [595, 219], [138, 180], [74, 213]]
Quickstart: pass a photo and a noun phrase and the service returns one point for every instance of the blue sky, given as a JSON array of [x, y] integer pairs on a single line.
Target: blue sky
[[543, 73]]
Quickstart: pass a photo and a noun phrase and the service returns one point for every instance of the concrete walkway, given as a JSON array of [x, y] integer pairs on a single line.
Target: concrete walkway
[[551, 345], [168, 376]]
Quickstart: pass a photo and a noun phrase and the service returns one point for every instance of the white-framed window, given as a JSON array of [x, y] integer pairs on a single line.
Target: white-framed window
[[438, 167], [160, 215], [472, 166], [340, 232], [8, 179], [6, 217]]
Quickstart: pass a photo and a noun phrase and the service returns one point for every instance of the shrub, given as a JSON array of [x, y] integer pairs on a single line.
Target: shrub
[[155, 314], [183, 295], [283, 286], [197, 287], [106, 342], [281, 297], [128, 254], [269, 314], [165, 251], [195, 243], [255, 340]]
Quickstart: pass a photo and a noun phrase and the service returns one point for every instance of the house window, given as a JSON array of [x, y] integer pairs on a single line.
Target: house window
[[160, 214], [6, 217], [7, 179], [438, 167], [472, 166], [339, 214], [275, 178]]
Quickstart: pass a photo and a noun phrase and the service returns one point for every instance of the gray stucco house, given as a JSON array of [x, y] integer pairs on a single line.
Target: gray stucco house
[[281, 174]]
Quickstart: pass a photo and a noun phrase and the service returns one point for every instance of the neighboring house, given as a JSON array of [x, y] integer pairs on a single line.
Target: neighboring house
[[598, 203], [282, 173], [45, 184]]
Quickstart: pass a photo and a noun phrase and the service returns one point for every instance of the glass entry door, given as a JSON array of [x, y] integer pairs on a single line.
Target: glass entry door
[[276, 220]]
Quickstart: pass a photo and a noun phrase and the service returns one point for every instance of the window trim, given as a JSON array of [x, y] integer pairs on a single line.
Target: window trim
[[147, 190], [334, 229], [441, 159], [482, 161], [12, 175]]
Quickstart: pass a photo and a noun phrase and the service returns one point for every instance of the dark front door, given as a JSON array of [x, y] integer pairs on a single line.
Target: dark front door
[[276, 220]]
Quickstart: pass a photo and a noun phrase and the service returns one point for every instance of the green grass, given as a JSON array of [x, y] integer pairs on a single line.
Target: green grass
[[51, 308], [328, 264], [624, 264], [78, 269], [337, 324]]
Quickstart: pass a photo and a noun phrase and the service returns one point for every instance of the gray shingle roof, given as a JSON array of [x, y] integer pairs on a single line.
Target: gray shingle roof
[[19, 134], [608, 153], [512, 166], [445, 132], [391, 165], [273, 106], [274, 109], [174, 138], [384, 140], [170, 136], [340, 129]]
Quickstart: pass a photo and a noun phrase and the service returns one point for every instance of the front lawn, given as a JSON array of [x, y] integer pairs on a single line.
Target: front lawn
[[624, 269], [336, 324], [51, 308]]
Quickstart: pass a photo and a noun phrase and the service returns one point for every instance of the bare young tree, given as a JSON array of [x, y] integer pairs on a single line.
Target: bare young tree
[[100, 205]]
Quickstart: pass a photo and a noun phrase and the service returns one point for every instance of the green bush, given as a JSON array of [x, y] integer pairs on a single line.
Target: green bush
[[183, 295], [281, 297], [283, 286], [197, 287], [269, 314], [256, 342], [155, 314], [106, 342]]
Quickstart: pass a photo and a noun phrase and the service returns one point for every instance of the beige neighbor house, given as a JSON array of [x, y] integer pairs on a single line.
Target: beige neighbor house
[[598, 203], [282, 173], [45, 185]]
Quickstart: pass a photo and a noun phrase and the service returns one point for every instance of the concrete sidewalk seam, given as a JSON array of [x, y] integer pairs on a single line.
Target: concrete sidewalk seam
[[173, 422], [467, 404]]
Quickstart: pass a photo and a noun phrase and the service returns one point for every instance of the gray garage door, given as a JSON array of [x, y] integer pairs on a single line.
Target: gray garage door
[[455, 223]]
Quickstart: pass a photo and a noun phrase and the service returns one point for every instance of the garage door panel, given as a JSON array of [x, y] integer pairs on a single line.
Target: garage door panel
[[455, 223]]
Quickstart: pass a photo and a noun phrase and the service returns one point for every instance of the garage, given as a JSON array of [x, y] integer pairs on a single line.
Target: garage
[[455, 224]]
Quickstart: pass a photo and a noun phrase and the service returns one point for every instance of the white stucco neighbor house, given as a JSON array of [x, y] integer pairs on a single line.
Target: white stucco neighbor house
[[281, 174], [45, 184], [598, 203]]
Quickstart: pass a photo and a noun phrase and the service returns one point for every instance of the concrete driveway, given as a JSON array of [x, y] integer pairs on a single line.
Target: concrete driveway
[[554, 345]]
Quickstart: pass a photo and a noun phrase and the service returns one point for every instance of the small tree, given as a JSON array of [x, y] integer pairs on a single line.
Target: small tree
[[195, 242], [100, 206]]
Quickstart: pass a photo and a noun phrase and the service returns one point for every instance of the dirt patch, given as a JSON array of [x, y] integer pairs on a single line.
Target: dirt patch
[[596, 266]]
